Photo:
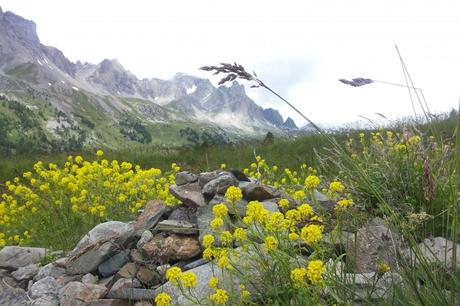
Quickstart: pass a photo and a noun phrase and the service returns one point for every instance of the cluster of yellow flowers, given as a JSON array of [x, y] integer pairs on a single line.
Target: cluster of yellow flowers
[[80, 191], [313, 272]]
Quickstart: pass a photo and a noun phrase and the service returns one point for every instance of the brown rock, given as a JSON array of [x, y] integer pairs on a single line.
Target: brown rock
[[189, 194], [129, 270], [136, 256], [152, 213], [147, 276], [79, 294], [257, 192], [172, 248], [120, 285]]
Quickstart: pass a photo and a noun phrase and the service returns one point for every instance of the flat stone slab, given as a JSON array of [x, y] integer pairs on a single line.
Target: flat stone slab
[[14, 257]]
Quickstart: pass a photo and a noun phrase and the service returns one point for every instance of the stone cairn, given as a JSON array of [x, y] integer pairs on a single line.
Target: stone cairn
[[117, 264]]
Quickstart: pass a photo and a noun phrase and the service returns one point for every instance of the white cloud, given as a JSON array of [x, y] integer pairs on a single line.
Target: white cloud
[[320, 41]]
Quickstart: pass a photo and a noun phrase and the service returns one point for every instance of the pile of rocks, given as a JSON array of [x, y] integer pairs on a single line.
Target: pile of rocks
[[119, 263]]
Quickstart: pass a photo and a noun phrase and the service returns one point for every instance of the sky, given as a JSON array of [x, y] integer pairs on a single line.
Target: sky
[[298, 48]]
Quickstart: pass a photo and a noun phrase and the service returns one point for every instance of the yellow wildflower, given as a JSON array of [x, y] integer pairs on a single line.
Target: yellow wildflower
[[163, 299], [315, 270]]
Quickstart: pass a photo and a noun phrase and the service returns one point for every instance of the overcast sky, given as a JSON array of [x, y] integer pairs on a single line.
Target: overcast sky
[[300, 48]]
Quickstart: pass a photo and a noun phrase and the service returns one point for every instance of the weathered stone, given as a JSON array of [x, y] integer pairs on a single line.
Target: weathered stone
[[375, 243], [178, 227], [204, 217], [271, 206], [257, 192], [13, 297], [219, 185], [136, 256], [65, 279], [108, 281], [123, 283], [145, 237], [90, 258], [79, 294], [103, 232], [202, 290], [189, 194], [89, 278], [325, 204], [436, 250], [206, 177], [110, 302], [183, 213], [185, 177], [135, 294], [147, 276], [45, 301], [194, 264], [114, 263], [151, 214], [50, 269], [61, 261], [47, 286], [162, 269], [14, 257], [238, 208], [171, 248], [129, 270], [26, 272]]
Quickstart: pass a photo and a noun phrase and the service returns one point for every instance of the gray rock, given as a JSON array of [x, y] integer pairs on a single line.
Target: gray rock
[[326, 205], [178, 227], [375, 243], [47, 286], [123, 283], [185, 177], [25, 273], [45, 301], [240, 176], [14, 257], [90, 258], [65, 279], [79, 294], [143, 303], [89, 278], [152, 213], [114, 263], [102, 232], [436, 250], [189, 194], [238, 208], [50, 269], [219, 185], [183, 213], [13, 297], [257, 192], [271, 206], [145, 237], [206, 177], [194, 264], [135, 294]]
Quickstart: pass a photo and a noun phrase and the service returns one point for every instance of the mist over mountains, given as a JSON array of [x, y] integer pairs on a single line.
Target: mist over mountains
[[49, 101]]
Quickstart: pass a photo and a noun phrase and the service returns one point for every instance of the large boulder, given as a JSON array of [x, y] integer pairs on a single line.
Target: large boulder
[[185, 177], [14, 257], [97, 246], [13, 297], [375, 243]]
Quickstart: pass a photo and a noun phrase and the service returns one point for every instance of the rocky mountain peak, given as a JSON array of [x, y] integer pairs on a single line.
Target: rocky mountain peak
[[24, 30], [290, 124], [273, 116]]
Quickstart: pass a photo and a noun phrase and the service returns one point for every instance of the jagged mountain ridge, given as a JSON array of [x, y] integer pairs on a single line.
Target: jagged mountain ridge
[[27, 67]]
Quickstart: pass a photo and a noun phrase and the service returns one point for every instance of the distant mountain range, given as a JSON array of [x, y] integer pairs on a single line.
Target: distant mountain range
[[50, 102]]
